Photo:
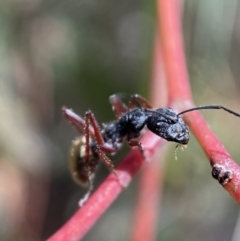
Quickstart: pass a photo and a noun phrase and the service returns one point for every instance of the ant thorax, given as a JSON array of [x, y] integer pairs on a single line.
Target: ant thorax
[[128, 126], [112, 136]]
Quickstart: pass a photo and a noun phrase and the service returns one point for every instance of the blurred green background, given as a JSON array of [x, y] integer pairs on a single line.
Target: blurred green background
[[77, 53]]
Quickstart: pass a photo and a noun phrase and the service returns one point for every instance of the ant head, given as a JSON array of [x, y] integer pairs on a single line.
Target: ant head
[[165, 123]]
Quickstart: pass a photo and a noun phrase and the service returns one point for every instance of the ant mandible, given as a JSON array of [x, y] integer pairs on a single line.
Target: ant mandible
[[95, 143]]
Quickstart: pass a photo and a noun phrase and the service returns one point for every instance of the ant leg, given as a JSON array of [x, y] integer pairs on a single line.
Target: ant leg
[[89, 118], [107, 162], [80, 124], [84, 127], [134, 143], [101, 146], [91, 177], [87, 139], [135, 99], [104, 158], [118, 106], [77, 121]]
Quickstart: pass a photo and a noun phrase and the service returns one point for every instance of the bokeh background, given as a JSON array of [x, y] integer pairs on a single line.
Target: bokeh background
[[77, 53]]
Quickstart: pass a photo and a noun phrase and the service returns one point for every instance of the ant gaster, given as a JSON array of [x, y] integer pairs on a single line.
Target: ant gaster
[[94, 143]]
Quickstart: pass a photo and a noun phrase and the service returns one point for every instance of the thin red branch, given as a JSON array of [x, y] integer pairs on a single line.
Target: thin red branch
[[82, 221], [150, 185], [149, 200], [180, 95], [169, 16], [215, 151], [158, 88]]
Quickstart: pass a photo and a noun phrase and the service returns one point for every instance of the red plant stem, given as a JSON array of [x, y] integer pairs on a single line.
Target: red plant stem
[[150, 185], [180, 96], [158, 88], [82, 221], [215, 151], [146, 213], [173, 51]]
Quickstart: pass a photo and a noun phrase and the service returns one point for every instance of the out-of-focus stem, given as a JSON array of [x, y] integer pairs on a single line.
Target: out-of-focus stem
[[169, 16], [150, 185]]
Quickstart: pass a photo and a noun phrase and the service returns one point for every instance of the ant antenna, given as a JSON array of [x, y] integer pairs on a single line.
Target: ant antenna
[[209, 107]]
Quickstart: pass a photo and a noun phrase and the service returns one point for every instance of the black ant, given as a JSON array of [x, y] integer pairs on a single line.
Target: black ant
[[95, 142]]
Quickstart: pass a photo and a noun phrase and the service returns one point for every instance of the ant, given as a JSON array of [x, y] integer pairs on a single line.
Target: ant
[[95, 143]]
